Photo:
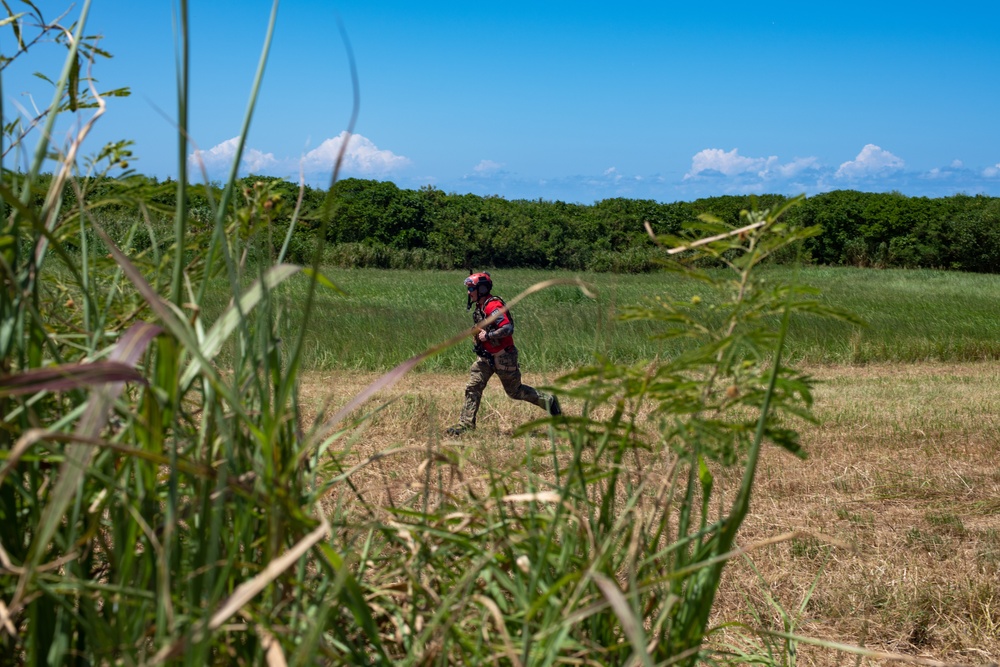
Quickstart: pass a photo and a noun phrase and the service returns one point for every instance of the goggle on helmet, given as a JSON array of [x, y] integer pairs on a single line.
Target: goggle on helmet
[[479, 284]]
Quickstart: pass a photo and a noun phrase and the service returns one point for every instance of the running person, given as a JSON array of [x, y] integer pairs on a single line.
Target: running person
[[495, 352]]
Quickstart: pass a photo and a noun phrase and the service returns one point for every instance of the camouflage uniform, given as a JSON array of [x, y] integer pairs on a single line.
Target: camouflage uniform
[[507, 369], [497, 355]]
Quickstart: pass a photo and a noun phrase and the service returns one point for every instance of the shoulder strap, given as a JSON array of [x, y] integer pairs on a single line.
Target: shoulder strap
[[496, 298]]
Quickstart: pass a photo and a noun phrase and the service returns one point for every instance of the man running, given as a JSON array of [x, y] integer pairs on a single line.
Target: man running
[[495, 353]]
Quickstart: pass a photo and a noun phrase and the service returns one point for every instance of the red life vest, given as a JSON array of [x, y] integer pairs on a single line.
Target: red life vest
[[491, 306]]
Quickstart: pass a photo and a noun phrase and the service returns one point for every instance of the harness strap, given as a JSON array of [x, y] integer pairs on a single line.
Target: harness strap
[[496, 298]]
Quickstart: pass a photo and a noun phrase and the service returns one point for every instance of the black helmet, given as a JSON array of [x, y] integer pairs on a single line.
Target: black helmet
[[479, 284]]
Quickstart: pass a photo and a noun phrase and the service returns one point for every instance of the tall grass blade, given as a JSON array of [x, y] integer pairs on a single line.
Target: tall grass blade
[[128, 350], [68, 376], [232, 318], [631, 626]]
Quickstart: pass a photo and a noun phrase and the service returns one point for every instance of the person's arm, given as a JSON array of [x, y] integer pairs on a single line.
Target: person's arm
[[502, 332], [502, 328]]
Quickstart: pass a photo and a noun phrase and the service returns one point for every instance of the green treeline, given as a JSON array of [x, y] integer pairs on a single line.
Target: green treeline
[[860, 229], [373, 223]]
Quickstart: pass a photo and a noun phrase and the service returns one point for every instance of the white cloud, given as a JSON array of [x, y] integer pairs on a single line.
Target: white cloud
[[221, 157], [749, 174], [797, 166], [871, 161], [953, 172], [362, 156], [256, 161], [729, 163], [797, 176], [487, 167]]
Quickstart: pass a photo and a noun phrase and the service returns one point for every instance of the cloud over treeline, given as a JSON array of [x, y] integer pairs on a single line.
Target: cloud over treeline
[[361, 158], [716, 171], [712, 172]]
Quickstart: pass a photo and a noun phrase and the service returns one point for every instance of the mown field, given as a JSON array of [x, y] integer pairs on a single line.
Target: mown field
[[897, 505], [383, 317]]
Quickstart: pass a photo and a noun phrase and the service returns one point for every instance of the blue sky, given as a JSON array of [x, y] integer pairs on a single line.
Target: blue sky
[[572, 101]]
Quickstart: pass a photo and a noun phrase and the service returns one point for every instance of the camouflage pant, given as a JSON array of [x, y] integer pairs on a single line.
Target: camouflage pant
[[505, 366]]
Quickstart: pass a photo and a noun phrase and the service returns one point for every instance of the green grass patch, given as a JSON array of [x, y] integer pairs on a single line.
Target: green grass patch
[[946, 522], [385, 316]]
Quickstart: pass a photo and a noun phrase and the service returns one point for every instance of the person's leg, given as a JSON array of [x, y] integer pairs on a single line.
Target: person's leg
[[479, 375], [509, 371]]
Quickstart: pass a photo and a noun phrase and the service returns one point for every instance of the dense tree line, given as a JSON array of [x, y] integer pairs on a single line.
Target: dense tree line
[[376, 223], [892, 230], [860, 228]]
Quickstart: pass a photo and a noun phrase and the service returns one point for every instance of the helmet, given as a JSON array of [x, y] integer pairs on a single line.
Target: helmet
[[478, 284]]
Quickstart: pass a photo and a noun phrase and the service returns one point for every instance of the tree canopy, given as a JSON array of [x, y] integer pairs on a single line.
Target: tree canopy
[[375, 223]]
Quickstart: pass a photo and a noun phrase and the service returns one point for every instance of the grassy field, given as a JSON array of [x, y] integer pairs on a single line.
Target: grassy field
[[896, 506], [384, 317], [895, 511], [898, 503]]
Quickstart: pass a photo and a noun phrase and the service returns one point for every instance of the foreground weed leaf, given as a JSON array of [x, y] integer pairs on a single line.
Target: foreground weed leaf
[[128, 350], [232, 318], [68, 376]]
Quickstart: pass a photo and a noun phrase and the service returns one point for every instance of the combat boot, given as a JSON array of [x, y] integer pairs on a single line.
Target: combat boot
[[554, 408], [459, 429]]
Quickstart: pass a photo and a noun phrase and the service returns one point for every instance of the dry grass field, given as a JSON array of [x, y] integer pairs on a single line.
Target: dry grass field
[[897, 505]]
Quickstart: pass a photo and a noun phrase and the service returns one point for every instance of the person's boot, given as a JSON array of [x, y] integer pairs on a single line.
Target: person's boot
[[459, 429], [554, 409]]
